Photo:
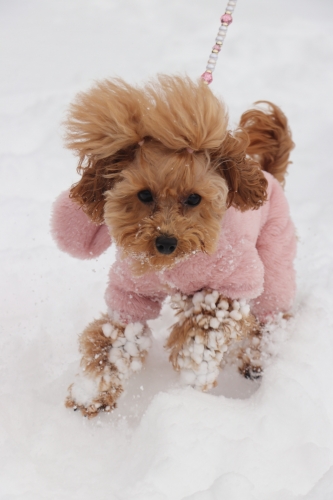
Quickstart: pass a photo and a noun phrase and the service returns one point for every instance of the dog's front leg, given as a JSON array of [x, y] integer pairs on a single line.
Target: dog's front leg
[[208, 326], [199, 360], [111, 352]]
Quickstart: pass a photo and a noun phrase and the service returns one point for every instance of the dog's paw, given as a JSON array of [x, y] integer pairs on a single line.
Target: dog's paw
[[208, 323], [111, 353], [94, 395]]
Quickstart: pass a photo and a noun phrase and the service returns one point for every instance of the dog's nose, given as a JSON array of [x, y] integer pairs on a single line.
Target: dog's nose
[[165, 244]]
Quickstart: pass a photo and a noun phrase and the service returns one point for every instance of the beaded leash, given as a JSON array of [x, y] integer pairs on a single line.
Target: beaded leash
[[226, 19]]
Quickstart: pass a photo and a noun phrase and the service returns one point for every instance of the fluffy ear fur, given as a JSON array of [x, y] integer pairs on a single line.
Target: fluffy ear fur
[[265, 137], [270, 138], [104, 127], [246, 181], [97, 177]]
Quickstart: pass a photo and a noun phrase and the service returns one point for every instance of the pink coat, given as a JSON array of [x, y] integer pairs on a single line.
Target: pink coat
[[254, 260]]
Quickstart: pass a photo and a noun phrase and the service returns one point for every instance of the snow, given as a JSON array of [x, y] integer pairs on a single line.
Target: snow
[[244, 440]]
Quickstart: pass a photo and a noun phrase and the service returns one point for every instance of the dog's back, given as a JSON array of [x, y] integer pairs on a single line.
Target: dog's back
[[270, 138]]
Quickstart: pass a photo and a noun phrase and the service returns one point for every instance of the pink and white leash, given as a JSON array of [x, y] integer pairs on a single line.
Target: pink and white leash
[[226, 19]]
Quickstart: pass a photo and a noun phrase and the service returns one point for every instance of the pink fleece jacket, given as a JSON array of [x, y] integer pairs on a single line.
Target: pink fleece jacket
[[253, 260]]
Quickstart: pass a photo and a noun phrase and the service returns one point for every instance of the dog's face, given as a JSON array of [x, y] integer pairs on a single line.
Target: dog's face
[[160, 168], [165, 206]]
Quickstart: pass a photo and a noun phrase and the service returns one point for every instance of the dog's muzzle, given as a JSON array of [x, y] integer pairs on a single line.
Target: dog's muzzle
[[166, 245]]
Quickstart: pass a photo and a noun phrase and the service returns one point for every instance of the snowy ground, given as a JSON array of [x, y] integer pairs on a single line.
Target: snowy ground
[[245, 441]]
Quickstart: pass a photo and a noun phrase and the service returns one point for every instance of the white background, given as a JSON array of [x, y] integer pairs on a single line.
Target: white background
[[245, 441]]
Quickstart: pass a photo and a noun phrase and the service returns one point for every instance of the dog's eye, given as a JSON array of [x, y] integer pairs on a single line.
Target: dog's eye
[[145, 196], [193, 200]]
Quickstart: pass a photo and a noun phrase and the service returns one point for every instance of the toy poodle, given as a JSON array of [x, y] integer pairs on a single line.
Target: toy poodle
[[197, 212]]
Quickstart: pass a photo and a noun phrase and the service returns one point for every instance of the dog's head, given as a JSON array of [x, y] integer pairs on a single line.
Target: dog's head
[[160, 168]]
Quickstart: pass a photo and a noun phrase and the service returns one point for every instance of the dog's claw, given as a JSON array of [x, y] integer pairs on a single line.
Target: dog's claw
[[252, 373]]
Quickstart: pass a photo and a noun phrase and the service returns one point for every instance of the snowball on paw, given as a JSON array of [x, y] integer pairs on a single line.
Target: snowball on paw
[[187, 362], [107, 329], [198, 348], [235, 305], [211, 366], [214, 323], [210, 300], [245, 310], [220, 314], [212, 376], [84, 389], [203, 368], [187, 377], [131, 348], [115, 354], [132, 330], [224, 304], [136, 365], [122, 365], [236, 315], [198, 298], [197, 358]]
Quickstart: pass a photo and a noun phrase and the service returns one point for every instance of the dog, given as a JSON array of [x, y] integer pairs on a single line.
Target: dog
[[197, 212]]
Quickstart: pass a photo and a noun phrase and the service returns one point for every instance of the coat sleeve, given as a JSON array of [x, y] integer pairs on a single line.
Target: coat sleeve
[[276, 247], [74, 232], [133, 299]]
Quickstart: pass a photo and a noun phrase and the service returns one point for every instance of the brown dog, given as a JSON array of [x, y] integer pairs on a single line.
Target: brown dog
[[178, 193]]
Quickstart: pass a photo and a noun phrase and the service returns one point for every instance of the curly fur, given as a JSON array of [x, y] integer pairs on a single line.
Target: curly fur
[[270, 138]]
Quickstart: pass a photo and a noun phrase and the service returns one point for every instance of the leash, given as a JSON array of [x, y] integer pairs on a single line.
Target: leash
[[226, 19]]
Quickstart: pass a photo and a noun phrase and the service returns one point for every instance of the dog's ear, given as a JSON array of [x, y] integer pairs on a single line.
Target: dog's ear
[[104, 127], [246, 181]]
